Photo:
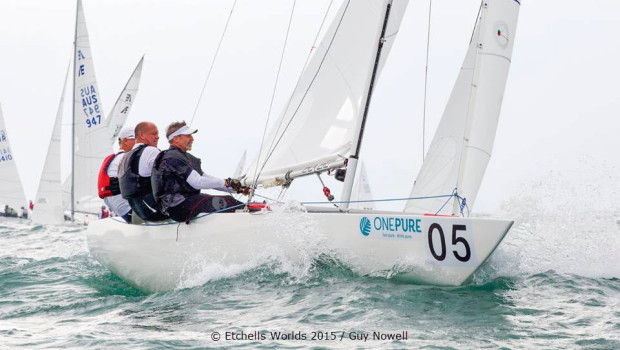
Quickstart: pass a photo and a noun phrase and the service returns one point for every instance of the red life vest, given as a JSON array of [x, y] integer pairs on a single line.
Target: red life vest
[[107, 186]]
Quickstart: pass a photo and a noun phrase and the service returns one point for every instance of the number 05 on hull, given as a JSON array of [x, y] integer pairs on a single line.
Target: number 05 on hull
[[427, 249]]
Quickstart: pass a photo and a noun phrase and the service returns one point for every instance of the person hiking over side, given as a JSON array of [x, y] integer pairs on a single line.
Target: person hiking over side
[[135, 173], [178, 178]]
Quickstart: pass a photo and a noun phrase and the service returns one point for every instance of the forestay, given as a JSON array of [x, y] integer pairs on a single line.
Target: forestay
[[11, 190], [91, 138], [317, 126], [48, 202], [462, 145]]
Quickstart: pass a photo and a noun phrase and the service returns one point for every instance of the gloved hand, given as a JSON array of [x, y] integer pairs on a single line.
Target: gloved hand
[[245, 190], [235, 184]]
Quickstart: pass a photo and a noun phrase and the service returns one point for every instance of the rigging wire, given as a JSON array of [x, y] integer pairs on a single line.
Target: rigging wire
[[275, 85], [213, 62], [302, 98], [428, 40], [316, 38]]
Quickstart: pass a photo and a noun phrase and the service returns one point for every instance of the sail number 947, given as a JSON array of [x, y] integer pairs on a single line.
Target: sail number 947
[[439, 250]]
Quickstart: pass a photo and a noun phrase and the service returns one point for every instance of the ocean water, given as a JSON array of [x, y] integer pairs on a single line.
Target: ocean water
[[553, 283]]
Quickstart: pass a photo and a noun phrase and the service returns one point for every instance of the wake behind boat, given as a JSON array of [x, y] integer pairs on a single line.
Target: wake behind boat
[[319, 131]]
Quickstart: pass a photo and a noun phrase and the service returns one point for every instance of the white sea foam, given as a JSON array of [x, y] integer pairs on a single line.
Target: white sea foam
[[565, 221], [294, 253]]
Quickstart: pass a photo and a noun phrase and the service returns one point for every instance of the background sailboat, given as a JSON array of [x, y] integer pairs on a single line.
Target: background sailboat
[[49, 209], [93, 135], [11, 190], [93, 141], [122, 107], [90, 135], [91, 202], [362, 191], [240, 166]]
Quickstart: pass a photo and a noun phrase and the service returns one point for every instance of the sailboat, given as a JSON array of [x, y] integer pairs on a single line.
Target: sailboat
[[48, 202], [11, 190], [123, 104], [240, 166], [93, 138], [362, 197], [321, 130]]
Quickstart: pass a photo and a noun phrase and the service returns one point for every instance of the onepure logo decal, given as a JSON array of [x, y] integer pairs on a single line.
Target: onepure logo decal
[[365, 226], [391, 227]]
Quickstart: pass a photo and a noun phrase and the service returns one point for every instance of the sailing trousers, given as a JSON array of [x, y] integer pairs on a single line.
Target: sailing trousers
[[202, 203], [144, 207]]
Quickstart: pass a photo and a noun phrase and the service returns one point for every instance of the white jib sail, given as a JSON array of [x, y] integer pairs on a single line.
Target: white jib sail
[[91, 139], [362, 191], [123, 104], [462, 145], [48, 207], [317, 125], [11, 190]]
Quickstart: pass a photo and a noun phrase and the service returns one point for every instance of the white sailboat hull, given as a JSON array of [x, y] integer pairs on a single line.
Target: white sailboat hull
[[152, 258], [14, 220]]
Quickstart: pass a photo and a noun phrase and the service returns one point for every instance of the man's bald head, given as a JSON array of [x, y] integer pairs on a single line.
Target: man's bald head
[[147, 133]]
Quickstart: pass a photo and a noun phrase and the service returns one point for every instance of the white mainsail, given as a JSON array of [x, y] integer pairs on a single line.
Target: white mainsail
[[49, 209], [123, 104], [362, 191], [91, 139], [462, 145], [317, 126], [113, 124], [11, 190]]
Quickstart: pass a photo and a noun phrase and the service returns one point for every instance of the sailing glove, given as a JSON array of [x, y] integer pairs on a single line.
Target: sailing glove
[[235, 184]]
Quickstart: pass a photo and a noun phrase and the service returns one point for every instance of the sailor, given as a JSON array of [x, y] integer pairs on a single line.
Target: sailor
[[109, 187], [23, 213], [9, 212], [178, 178], [104, 213], [135, 173]]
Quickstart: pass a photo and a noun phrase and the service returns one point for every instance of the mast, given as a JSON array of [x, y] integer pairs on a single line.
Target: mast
[[357, 141], [77, 9]]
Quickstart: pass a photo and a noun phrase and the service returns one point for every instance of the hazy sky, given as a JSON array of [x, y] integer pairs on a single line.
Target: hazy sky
[[560, 111]]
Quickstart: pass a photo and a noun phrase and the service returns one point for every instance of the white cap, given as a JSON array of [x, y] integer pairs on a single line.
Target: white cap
[[126, 133], [182, 131]]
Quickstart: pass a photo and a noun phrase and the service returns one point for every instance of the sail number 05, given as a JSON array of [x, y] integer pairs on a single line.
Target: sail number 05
[[456, 240]]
